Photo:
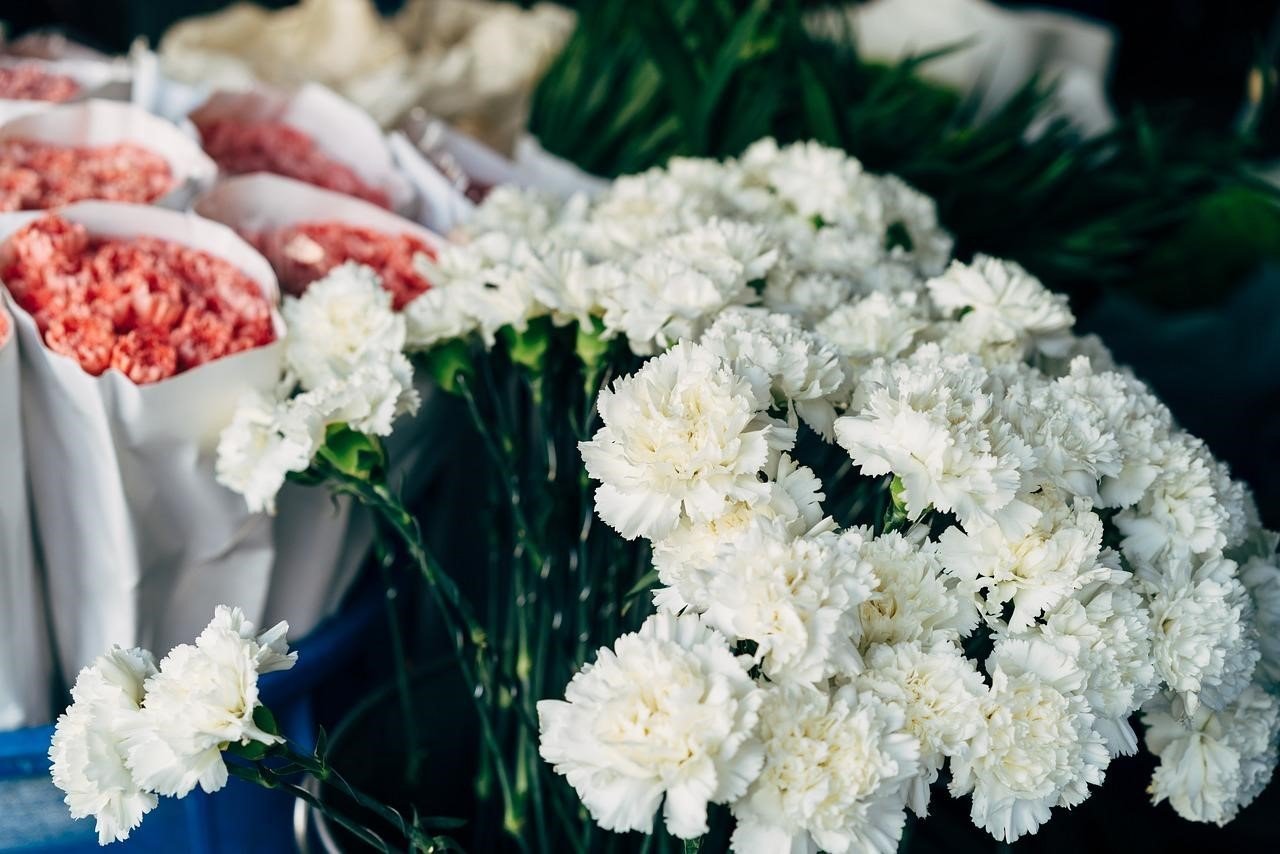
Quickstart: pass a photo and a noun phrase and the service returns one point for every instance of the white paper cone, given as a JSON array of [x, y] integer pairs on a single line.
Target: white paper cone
[[96, 80], [94, 123], [442, 204], [25, 669], [320, 543], [340, 129], [139, 541]]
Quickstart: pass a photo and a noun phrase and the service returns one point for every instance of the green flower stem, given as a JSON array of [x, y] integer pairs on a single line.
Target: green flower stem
[[470, 639], [386, 557]]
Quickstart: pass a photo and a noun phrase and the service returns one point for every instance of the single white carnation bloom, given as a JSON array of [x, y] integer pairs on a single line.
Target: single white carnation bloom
[[683, 437], [88, 753], [202, 699], [1261, 577], [478, 286], [801, 368], [929, 419], [913, 599], [1204, 646], [941, 694], [813, 180], [1038, 749], [796, 597], [1212, 763], [1036, 571], [342, 321], [835, 774], [877, 325], [1182, 513], [259, 448], [1070, 433], [1106, 628], [685, 558], [670, 713], [368, 400], [1003, 306]]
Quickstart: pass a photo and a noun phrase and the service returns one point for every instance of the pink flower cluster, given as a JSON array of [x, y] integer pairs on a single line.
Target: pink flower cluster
[[241, 147], [4, 326], [39, 175], [30, 82], [147, 307], [302, 253]]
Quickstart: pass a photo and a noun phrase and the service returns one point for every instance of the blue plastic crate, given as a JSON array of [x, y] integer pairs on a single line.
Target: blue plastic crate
[[240, 819]]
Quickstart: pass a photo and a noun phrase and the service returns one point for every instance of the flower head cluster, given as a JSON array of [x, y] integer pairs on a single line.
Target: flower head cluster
[[345, 365], [809, 351], [135, 731]]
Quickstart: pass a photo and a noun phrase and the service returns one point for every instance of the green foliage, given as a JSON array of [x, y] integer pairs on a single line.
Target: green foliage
[[1171, 214]]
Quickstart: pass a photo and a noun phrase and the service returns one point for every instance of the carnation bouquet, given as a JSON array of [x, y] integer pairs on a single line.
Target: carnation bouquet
[[855, 522]]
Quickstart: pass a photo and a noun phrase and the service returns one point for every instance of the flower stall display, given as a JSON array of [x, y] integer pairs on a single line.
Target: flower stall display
[[321, 543], [25, 665], [100, 150], [898, 523], [309, 134], [138, 330]]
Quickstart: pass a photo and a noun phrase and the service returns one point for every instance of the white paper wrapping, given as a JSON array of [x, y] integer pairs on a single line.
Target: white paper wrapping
[[96, 80], [139, 542], [25, 670], [320, 543], [442, 204], [340, 129], [94, 123]]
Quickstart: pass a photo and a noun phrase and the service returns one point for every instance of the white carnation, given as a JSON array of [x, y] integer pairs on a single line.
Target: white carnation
[[913, 599], [1203, 644], [874, 326], [835, 774], [668, 712], [1106, 629], [259, 448], [942, 696], [917, 215], [1038, 749], [800, 367], [683, 437], [344, 320], [1261, 576], [1036, 571], [1212, 763], [1004, 307], [87, 751], [202, 699], [795, 597], [929, 419], [1181, 514], [685, 557]]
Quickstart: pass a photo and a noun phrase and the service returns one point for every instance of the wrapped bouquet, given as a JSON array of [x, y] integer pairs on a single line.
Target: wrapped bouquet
[[139, 329]]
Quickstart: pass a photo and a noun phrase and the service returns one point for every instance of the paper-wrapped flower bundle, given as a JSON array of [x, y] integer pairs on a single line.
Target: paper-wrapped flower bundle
[[30, 82], [302, 253], [35, 175], [147, 307], [243, 147]]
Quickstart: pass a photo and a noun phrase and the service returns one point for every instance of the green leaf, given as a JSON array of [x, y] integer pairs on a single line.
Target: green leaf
[[264, 720]]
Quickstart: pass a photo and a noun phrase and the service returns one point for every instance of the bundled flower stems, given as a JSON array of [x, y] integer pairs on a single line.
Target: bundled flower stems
[[139, 330], [900, 518], [25, 665], [98, 150], [311, 135], [321, 543]]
